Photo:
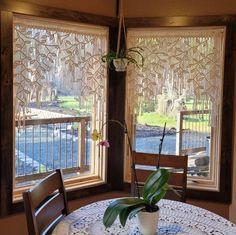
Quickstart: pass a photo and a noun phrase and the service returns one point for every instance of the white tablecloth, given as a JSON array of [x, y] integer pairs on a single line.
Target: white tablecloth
[[175, 218]]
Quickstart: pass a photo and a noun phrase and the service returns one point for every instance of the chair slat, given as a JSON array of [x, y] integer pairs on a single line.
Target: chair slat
[[46, 187], [176, 179], [165, 160], [50, 212], [142, 175], [45, 204], [145, 164]]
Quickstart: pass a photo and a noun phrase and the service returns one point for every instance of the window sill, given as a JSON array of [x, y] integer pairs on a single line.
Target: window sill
[[71, 185], [198, 184], [77, 193]]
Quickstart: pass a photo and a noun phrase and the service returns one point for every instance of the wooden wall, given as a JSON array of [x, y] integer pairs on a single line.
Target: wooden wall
[[98, 7], [232, 207], [154, 8]]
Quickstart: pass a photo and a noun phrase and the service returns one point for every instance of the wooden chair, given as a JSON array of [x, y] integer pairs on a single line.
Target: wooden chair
[[45, 204], [145, 164]]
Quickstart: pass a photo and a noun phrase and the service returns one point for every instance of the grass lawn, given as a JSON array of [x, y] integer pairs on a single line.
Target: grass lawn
[[155, 119], [69, 102]]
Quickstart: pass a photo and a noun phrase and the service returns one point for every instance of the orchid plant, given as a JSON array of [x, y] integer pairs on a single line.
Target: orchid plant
[[97, 135], [154, 188]]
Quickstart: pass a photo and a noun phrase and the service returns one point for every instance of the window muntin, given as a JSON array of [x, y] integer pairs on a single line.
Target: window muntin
[[181, 81], [60, 96]]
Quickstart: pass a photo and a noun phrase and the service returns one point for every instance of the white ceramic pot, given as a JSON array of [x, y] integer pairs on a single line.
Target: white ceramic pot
[[147, 222], [120, 64]]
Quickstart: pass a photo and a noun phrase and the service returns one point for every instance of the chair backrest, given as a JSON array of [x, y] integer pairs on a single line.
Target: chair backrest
[[145, 164], [45, 204]]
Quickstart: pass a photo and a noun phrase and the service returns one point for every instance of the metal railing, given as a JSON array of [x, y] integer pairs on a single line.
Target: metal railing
[[193, 138], [43, 145], [192, 131]]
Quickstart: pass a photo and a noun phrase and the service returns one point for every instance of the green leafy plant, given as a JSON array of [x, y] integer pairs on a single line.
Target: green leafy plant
[[154, 190], [132, 55]]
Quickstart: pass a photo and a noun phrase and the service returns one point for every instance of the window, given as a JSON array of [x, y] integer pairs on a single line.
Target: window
[[181, 84], [60, 97]]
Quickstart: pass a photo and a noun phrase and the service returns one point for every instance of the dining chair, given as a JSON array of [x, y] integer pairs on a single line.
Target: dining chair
[[146, 163], [45, 204]]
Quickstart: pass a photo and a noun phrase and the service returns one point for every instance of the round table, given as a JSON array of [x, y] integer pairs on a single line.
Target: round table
[[175, 218]]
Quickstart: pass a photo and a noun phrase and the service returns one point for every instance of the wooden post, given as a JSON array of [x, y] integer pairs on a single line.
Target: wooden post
[[179, 128], [81, 143], [7, 113]]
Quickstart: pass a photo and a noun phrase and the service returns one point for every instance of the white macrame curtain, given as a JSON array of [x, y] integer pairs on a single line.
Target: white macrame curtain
[[49, 54], [178, 62]]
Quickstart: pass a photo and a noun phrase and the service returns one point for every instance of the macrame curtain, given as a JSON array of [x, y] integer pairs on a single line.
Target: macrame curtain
[[178, 62], [50, 54]]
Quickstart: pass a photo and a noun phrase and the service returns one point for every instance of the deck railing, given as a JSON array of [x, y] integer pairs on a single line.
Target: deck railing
[[193, 138], [43, 145], [192, 131]]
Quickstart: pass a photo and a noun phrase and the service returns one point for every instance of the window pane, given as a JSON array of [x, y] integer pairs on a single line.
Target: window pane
[[60, 96], [180, 84]]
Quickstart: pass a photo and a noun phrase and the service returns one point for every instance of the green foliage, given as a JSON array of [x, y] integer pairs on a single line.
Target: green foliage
[[154, 190], [155, 119], [133, 55], [42, 168], [70, 103], [109, 57]]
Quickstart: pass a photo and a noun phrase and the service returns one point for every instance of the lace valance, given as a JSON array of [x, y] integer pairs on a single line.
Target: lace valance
[[179, 63], [49, 54]]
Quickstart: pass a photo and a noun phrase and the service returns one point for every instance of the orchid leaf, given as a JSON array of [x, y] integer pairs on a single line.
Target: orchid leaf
[[154, 190], [116, 207], [155, 182], [156, 197], [125, 213], [136, 210]]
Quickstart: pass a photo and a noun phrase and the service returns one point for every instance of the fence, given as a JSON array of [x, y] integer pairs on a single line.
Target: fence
[[43, 145]]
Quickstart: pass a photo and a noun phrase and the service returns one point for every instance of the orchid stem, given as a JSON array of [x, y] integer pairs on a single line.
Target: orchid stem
[[133, 160], [125, 129], [160, 145]]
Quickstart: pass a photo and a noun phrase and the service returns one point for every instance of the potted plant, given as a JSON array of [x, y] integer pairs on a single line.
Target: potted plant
[[144, 207], [125, 56]]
